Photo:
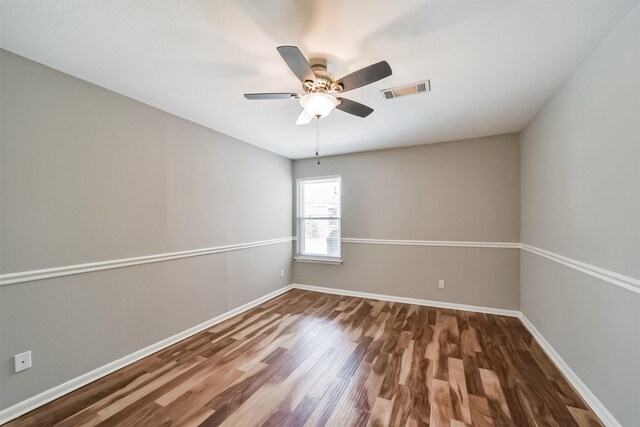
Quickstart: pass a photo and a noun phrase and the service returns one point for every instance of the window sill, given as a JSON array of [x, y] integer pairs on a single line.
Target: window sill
[[318, 260]]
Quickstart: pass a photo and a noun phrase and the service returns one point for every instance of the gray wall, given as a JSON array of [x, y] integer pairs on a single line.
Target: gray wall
[[88, 175], [463, 191], [581, 199]]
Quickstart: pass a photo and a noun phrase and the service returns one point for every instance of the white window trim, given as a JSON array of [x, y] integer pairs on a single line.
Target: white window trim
[[314, 258], [318, 260]]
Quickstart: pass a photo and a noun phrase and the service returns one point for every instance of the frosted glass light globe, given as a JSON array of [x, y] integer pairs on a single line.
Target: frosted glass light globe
[[318, 104]]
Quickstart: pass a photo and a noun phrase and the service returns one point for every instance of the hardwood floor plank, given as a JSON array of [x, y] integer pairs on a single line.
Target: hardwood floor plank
[[151, 414], [458, 391], [469, 342], [298, 394], [303, 411], [480, 413], [81, 416], [402, 403], [322, 384], [441, 411], [405, 363], [325, 407], [380, 413], [351, 365], [277, 419], [392, 376], [133, 398], [195, 400], [371, 389], [266, 399], [421, 405], [194, 419], [420, 367], [584, 418], [307, 358], [494, 394], [346, 411]]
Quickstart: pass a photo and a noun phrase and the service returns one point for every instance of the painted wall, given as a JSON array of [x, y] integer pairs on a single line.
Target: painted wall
[[581, 199], [88, 175], [455, 191]]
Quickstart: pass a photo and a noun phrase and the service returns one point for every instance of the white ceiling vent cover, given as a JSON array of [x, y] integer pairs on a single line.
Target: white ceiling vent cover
[[410, 89]]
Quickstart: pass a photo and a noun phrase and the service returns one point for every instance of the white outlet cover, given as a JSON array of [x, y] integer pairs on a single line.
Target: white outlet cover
[[441, 284], [22, 361]]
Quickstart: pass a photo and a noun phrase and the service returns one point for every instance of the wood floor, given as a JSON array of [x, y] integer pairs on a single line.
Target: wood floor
[[307, 358]]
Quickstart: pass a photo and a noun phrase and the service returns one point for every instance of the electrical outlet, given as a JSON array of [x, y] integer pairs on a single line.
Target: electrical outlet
[[281, 273], [441, 284], [22, 361]]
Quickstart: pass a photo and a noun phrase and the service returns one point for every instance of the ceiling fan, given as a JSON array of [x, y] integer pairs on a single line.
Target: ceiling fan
[[321, 91]]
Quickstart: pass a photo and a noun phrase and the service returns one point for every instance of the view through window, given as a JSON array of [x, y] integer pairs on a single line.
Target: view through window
[[319, 217]]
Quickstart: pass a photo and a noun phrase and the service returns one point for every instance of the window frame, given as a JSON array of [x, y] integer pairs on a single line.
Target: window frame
[[299, 221]]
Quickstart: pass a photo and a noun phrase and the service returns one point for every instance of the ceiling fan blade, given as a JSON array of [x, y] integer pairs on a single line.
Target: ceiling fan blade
[[365, 76], [353, 107], [297, 62], [304, 118], [270, 95]]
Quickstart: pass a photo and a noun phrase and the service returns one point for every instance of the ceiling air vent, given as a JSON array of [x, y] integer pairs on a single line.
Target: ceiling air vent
[[411, 89]]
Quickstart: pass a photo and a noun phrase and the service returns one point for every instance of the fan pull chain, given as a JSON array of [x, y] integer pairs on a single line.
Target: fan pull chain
[[318, 138]]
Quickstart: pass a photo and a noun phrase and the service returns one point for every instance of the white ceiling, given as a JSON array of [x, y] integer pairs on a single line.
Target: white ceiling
[[492, 64]]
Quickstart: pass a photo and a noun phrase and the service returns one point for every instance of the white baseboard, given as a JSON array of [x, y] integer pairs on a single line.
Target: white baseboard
[[596, 405], [416, 301], [38, 400]]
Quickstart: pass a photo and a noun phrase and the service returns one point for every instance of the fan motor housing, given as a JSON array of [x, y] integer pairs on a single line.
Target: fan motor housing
[[324, 80]]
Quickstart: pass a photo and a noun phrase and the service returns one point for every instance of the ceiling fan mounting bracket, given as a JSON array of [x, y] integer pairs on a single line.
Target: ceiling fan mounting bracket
[[318, 66]]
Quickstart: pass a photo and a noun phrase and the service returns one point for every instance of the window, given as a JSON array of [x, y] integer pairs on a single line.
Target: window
[[318, 219]]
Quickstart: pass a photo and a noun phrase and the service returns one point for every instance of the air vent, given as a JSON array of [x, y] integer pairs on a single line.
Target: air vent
[[411, 89]]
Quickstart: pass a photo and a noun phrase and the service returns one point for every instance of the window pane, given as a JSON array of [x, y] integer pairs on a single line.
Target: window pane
[[320, 198], [320, 237]]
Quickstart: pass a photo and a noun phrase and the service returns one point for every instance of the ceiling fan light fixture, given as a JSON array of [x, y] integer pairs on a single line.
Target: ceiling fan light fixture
[[318, 104]]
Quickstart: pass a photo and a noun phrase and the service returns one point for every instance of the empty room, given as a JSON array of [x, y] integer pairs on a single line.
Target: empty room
[[320, 213]]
